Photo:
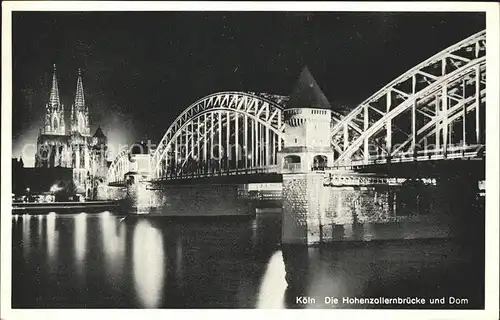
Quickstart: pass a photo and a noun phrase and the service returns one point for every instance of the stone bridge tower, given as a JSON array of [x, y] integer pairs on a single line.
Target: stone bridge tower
[[307, 151]]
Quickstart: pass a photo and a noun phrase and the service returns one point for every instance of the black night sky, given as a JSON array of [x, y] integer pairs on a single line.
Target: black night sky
[[141, 69]]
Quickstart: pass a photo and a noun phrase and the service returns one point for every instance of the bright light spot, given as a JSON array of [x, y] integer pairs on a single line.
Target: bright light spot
[[149, 264], [51, 235], [481, 185], [55, 188], [39, 228], [80, 238], [24, 147], [105, 214], [26, 237], [113, 245], [110, 237], [273, 286]]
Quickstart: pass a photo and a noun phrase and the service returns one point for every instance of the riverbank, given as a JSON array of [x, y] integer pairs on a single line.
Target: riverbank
[[62, 207]]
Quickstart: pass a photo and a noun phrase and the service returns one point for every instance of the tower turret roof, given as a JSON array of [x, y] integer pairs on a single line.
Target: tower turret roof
[[307, 93], [99, 133]]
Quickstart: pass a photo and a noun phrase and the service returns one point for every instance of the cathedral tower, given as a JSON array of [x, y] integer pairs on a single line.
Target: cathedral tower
[[54, 111], [79, 111], [61, 148]]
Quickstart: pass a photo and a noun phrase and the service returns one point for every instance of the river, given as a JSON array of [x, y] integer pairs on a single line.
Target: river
[[104, 260]]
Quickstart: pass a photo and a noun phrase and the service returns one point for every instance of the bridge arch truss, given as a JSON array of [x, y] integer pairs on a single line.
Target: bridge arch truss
[[119, 167], [221, 132], [436, 109]]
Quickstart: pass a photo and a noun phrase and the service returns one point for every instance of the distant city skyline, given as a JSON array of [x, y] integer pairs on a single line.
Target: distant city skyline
[[141, 69]]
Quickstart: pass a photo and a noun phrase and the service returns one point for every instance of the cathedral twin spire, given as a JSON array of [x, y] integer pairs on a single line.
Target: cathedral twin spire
[[54, 110], [79, 111], [79, 97], [54, 92], [54, 113]]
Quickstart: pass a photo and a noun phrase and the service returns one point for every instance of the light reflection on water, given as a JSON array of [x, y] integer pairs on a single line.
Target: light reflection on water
[[273, 286], [80, 240], [26, 235], [149, 264], [112, 243], [39, 227], [52, 236], [178, 261]]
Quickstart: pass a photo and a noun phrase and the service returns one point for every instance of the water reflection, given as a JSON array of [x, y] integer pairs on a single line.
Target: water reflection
[[254, 228], [179, 261], [273, 286], [327, 278], [113, 244], [296, 260], [80, 239], [39, 227], [52, 236], [148, 264], [157, 262], [26, 235]]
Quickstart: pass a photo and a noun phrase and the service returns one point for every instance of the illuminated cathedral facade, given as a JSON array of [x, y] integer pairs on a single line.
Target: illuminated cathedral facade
[[70, 144]]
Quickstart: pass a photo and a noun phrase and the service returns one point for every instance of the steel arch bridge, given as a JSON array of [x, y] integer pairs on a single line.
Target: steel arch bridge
[[119, 167], [222, 132], [434, 111], [441, 101]]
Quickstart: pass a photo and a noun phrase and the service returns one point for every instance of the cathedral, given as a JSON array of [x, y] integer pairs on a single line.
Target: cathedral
[[72, 146]]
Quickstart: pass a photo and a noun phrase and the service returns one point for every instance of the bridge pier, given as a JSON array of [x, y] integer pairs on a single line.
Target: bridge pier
[[351, 206], [140, 198], [105, 192], [305, 202], [188, 199]]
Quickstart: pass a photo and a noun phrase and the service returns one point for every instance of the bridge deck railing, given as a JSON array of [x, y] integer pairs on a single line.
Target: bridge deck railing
[[458, 151], [451, 152], [216, 173]]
